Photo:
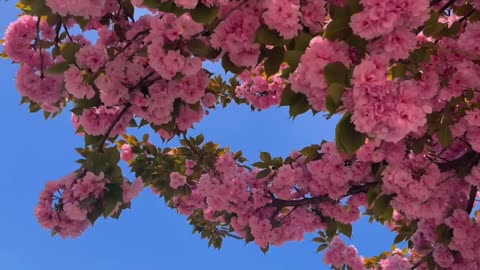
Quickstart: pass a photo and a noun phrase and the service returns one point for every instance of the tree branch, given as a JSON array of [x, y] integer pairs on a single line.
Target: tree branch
[[110, 129], [471, 199], [225, 233], [470, 157], [320, 199], [422, 260], [446, 6]]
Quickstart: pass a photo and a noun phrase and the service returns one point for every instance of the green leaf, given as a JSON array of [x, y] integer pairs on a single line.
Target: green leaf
[[129, 8], [336, 72], [338, 30], [445, 136], [82, 22], [432, 26], [265, 249], [199, 139], [293, 58], [95, 213], [266, 36], [112, 155], [228, 65], [331, 228], [382, 206], [399, 238], [199, 48], [204, 14], [260, 165], [444, 234], [373, 193], [39, 8], [24, 100], [302, 41], [68, 51], [319, 240], [118, 30], [92, 140], [347, 138], [300, 106], [112, 197], [274, 60], [58, 68], [46, 114], [263, 173], [322, 247], [34, 107], [345, 229], [265, 157], [334, 95]]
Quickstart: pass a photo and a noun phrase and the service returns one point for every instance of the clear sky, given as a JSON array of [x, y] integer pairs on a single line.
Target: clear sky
[[150, 235]]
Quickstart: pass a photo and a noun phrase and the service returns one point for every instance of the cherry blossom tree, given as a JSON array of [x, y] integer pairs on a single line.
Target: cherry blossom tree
[[404, 75]]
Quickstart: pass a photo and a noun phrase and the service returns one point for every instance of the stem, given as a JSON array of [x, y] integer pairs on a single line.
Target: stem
[[194, 149], [225, 233], [320, 199], [107, 134], [469, 157], [39, 47], [422, 260], [130, 42], [447, 5], [471, 198], [68, 33], [434, 2]]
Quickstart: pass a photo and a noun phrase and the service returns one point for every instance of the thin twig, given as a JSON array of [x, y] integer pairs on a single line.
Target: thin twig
[[68, 33], [447, 5], [225, 233], [114, 123], [39, 47], [422, 260]]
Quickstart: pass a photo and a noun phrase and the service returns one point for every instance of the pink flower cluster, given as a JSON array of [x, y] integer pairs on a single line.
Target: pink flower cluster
[[464, 239], [309, 77], [236, 190], [395, 262], [31, 80], [313, 15], [380, 17], [236, 35], [62, 206], [334, 174], [65, 204], [89, 8], [283, 16], [386, 109], [97, 121], [131, 190], [339, 254], [177, 180], [260, 91], [126, 153]]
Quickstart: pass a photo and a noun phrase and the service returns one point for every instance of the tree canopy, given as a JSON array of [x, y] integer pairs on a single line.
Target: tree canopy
[[403, 74]]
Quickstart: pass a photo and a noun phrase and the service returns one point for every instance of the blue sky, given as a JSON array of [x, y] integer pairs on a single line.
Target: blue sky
[[150, 235]]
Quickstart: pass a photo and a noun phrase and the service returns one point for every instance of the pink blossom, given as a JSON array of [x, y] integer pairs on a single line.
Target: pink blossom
[[126, 153], [177, 180]]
